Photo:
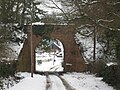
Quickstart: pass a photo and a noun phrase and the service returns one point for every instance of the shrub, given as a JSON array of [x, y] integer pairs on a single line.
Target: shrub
[[1, 85], [96, 67], [7, 68], [111, 75], [39, 62]]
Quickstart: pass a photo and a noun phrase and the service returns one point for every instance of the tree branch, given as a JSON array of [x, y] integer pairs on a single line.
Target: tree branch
[[59, 9]]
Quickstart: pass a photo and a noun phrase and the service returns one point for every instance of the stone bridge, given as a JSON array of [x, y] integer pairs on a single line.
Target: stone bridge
[[73, 60]]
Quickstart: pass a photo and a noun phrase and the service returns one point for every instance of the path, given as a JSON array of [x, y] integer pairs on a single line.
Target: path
[[56, 82], [67, 81]]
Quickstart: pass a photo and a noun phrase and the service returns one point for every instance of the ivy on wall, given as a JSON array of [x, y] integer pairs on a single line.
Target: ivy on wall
[[42, 30]]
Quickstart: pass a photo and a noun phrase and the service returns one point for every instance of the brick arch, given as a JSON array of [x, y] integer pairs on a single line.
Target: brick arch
[[73, 60]]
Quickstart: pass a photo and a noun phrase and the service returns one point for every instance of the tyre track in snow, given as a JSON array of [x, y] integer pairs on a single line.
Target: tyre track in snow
[[48, 82], [56, 82], [68, 86]]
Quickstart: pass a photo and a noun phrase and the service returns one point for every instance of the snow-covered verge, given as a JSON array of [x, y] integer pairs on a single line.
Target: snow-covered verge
[[38, 82], [82, 81], [5, 83], [79, 81]]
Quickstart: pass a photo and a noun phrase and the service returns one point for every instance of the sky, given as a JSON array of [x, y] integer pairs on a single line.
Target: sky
[[46, 4]]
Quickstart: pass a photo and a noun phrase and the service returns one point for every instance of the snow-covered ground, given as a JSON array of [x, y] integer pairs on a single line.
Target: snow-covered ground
[[56, 83], [79, 81], [49, 62], [28, 83], [82, 81]]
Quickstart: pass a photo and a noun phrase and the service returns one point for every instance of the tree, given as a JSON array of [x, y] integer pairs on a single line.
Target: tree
[[14, 15], [55, 18], [101, 15]]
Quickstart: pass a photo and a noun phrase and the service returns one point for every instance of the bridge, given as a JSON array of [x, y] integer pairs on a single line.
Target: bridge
[[73, 60]]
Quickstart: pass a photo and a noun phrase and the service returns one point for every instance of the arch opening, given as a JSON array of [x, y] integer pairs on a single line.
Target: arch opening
[[49, 56]]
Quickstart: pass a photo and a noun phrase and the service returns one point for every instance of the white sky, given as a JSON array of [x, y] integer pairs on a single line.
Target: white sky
[[50, 4]]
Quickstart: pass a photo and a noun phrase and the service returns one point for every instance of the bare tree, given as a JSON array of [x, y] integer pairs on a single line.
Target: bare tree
[[102, 15]]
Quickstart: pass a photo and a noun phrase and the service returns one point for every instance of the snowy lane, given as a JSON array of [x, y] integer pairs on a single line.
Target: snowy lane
[[56, 83], [67, 81]]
